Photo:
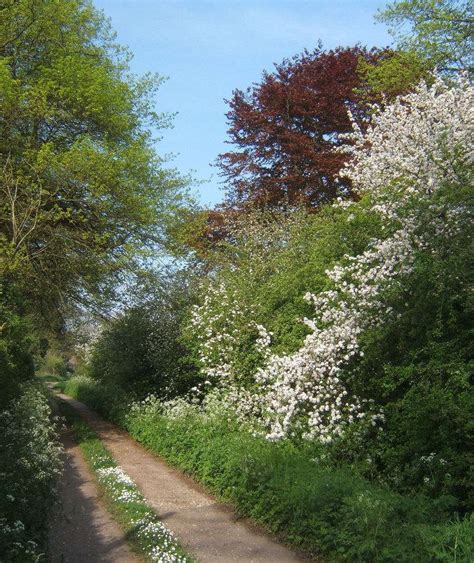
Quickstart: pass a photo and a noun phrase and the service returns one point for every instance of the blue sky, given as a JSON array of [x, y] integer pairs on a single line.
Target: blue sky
[[208, 48]]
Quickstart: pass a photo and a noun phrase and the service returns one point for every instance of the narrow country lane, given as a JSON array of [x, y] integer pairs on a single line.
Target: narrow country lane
[[208, 530], [82, 529]]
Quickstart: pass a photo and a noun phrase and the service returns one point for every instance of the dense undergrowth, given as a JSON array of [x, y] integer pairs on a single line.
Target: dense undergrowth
[[322, 367], [30, 465], [291, 488]]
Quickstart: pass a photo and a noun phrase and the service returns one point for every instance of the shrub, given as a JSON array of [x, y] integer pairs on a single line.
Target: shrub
[[141, 350], [106, 398], [54, 364], [16, 345], [294, 490]]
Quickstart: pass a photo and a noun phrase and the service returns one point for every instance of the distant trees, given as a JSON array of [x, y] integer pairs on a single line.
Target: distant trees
[[286, 130], [141, 350], [429, 34], [83, 195]]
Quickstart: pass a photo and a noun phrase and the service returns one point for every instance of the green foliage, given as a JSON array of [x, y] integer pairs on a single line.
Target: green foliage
[[141, 350], [321, 508], [54, 364], [29, 467], [394, 73], [418, 366], [453, 541], [268, 264], [438, 31], [83, 192], [107, 399], [296, 491], [17, 345], [430, 34]]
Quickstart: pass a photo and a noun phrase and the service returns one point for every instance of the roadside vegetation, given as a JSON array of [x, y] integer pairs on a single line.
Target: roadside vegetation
[[367, 396], [308, 353], [84, 199], [293, 489], [30, 465]]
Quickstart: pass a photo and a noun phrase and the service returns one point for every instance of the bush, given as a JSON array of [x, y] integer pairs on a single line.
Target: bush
[[54, 364], [418, 366], [16, 346], [141, 350], [325, 510], [106, 398], [29, 468], [378, 361], [264, 271]]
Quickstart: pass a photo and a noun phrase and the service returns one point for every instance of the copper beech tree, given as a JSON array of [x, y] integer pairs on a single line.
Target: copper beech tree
[[285, 130]]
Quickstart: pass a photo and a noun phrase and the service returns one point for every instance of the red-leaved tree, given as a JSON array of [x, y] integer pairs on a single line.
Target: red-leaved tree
[[286, 128]]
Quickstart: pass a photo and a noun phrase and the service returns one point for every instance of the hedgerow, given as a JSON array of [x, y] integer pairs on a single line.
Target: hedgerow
[[346, 334]]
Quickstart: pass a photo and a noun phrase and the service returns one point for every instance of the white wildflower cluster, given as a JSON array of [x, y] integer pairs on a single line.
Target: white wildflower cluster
[[30, 461], [121, 487], [150, 405], [178, 407], [414, 147], [435, 468], [149, 529], [431, 458]]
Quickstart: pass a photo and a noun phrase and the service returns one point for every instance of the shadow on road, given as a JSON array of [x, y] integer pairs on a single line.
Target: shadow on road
[[82, 530]]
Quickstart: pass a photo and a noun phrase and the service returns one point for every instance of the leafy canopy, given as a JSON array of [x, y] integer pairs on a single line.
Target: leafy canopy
[[83, 191], [438, 31], [286, 128]]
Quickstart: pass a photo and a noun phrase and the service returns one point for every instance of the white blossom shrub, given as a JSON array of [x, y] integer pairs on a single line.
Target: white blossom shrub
[[410, 151]]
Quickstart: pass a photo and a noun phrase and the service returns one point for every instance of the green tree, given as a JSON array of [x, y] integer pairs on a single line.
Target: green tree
[[438, 31], [395, 73], [141, 350], [83, 193]]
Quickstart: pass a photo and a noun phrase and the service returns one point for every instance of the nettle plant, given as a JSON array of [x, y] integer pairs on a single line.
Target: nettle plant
[[412, 156]]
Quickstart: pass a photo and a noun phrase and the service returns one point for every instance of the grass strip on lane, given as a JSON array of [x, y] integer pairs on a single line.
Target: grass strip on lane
[[144, 531]]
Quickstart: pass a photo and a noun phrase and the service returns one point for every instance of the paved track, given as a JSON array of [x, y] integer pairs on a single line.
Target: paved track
[[206, 528], [82, 530]]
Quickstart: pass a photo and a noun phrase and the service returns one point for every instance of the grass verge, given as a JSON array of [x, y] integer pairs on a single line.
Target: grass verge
[[144, 532]]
